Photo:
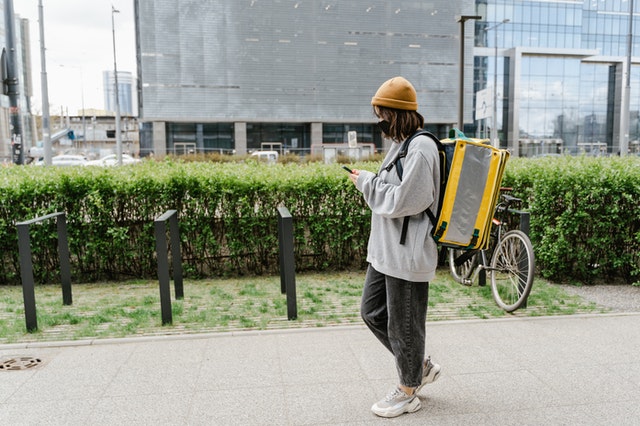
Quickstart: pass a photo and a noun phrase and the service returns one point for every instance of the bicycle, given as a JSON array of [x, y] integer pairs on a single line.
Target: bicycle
[[512, 263]]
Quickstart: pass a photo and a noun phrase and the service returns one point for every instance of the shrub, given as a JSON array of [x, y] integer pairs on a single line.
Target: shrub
[[227, 214], [585, 224], [585, 221]]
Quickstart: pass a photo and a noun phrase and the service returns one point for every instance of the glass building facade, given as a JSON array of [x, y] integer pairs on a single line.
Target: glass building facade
[[561, 74], [223, 75], [125, 92]]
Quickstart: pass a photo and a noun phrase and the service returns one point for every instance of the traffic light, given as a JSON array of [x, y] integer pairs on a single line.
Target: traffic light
[[71, 135]]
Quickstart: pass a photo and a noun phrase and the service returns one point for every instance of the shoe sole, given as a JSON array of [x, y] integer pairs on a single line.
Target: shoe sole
[[434, 374], [411, 407]]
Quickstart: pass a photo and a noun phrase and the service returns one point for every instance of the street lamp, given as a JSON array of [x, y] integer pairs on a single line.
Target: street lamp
[[115, 76], [626, 99], [494, 127], [462, 19], [11, 80], [46, 125]]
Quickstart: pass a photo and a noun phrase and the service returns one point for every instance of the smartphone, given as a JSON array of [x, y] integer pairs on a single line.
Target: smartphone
[[347, 169]]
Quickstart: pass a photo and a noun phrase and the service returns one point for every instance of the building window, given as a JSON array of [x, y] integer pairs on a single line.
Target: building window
[[562, 98], [190, 138], [218, 137], [338, 133], [286, 137]]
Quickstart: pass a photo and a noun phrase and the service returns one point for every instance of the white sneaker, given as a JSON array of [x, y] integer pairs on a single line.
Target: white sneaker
[[396, 403], [430, 373]]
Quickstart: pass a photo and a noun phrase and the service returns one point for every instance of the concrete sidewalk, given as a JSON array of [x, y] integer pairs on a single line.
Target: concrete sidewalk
[[566, 370]]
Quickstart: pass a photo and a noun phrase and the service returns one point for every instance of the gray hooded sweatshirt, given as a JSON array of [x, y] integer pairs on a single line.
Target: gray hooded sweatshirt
[[391, 199]]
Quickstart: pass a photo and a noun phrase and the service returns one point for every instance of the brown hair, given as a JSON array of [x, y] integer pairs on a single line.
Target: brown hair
[[403, 123]]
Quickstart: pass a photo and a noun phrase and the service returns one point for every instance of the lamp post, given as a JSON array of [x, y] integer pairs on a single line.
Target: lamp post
[[46, 125], [11, 86], [494, 126], [117, 101], [462, 19], [626, 101]]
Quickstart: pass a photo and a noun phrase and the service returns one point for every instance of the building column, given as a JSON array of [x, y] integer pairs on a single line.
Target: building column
[[200, 138], [240, 137], [316, 134], [513, 114], [619, 98], [5, 148], [159, 139]]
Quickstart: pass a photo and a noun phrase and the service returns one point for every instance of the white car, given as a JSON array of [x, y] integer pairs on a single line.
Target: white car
[[64, 160], [112, 160], [270, 157]]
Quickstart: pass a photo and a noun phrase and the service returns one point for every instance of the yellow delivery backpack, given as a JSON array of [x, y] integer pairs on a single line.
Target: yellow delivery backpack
[[470, 177], [470, 194]]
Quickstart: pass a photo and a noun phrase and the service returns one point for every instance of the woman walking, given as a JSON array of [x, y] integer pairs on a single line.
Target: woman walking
[[396, 288]]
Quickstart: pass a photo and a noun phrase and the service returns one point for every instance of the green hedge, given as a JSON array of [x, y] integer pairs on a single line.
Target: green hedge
[[227, 215], [585, 221], [585, 215]]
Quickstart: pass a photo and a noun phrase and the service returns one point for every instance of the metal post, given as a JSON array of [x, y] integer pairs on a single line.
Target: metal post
[[176, 256], [626, 92], [283, 281], [117, 100], [46, 126], [287, 261], [164, 278], [12, 84], [494, 126], [26, 265], [524, 227], [163, 271], [525, 220], [462, 19], [26, 274], [65, 263]]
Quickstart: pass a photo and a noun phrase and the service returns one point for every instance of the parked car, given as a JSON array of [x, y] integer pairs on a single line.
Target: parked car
[[64, 160], [268, 156], [112, 160]]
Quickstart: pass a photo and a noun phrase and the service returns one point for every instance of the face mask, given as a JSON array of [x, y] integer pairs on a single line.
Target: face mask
[[385, 126]]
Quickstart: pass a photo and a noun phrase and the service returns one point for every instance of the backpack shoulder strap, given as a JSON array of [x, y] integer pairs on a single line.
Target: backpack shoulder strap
[[397, 162]]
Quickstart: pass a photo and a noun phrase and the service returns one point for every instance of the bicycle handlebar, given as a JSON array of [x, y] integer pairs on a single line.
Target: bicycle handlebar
[[510, 199]]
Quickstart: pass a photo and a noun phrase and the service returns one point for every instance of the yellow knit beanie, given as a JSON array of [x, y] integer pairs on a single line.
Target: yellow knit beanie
[[397, 93]]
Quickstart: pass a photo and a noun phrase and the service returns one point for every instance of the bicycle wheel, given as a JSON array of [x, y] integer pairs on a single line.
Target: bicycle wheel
[[512, 268], [463, 272]]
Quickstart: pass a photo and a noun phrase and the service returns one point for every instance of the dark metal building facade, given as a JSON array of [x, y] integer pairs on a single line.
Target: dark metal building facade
[[233, 74]]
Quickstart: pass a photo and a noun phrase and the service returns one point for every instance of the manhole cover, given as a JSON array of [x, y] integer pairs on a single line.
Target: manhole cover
[[19, 363]]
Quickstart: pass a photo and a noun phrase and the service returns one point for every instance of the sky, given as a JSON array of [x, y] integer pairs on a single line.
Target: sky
[[78, 41]]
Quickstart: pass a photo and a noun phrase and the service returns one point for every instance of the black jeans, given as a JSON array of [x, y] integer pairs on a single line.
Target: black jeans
[[395, 311]]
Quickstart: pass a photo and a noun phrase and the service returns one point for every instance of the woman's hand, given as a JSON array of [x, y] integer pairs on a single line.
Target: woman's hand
[[354, 175]]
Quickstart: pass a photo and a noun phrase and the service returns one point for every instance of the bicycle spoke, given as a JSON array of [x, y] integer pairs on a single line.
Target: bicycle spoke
[[512, 269]]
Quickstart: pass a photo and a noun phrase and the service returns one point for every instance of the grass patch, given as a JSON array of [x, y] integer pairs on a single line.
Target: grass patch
[[109, 310]]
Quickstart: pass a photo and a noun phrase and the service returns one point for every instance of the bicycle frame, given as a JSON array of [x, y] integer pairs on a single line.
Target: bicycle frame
[[485, 254], [508, 257]]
